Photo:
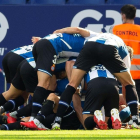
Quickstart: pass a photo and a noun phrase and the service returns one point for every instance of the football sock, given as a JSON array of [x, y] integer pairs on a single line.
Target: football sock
[[39, 96], [49, 120], [64, 102], [132, 101], [11, 126], [25, 111], [47, 109], [13, 104]]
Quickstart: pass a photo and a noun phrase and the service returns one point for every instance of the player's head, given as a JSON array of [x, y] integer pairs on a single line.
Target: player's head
[[128, 11], [130, 50]]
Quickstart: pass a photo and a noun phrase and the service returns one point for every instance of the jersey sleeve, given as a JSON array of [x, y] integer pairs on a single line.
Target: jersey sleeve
[[92, 34]]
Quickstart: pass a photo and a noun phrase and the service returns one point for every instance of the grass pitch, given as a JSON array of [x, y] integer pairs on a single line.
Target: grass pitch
[[71, 135]]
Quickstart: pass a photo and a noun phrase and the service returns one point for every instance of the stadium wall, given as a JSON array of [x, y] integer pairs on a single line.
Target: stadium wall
[[19, 23]]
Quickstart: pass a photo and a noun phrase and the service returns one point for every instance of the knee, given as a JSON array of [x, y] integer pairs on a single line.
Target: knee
[[89, 123], [52, 97]]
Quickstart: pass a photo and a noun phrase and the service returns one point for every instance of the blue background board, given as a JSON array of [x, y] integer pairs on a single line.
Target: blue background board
[[27, 21]]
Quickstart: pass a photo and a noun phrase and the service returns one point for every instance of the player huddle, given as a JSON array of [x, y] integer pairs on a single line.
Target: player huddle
[[58, 71]]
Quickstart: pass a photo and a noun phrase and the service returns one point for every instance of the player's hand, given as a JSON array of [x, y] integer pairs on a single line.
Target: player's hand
[[56, 31], [35, 39]]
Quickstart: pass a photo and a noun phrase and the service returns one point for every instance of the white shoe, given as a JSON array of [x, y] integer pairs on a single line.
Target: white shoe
[[116, 122], [55, 126], [98, 119], [135, 126]]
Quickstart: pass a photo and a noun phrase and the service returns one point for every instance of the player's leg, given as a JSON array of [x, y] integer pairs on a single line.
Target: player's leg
[[82, 65], [131, 93], [115, 65], [49, 107], [111, 105], [44, 55], [66, 96], [10, 64]]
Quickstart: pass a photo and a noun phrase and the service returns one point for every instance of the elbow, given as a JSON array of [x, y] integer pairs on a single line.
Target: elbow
[[77, 30]]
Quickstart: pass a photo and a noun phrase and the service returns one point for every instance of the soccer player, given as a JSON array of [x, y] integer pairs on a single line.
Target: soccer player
[[102, 90], [106, 49], [47, 114], [10, 64], [45, 53]]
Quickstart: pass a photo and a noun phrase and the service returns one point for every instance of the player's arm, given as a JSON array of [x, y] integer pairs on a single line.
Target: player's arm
[[73, 30], [68, 68], [77, 107]]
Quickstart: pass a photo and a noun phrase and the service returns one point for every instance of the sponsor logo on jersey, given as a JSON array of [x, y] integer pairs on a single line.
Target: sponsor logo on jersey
[[3, 27]]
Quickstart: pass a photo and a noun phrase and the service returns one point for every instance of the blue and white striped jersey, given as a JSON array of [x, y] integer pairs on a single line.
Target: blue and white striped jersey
[[98, 71], [25, 51], [111, 39], [68, 45]]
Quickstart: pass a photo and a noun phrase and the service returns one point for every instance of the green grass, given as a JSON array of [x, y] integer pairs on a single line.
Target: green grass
[[71, 135]]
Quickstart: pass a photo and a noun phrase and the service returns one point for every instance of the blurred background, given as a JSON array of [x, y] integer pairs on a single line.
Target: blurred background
[[22, 19]]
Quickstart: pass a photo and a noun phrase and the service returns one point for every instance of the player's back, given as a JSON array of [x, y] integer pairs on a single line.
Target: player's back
[[25, 51], [66, 45], [98, 71], [111, 39]]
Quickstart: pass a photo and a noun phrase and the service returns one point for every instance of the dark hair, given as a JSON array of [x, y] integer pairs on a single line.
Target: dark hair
[[129, 10]]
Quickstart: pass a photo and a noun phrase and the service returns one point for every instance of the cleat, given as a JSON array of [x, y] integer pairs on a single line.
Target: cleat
[[34, 125], [55, 126], [30, 125], [42, 127], [10, 119], [134, 126], [115, 118], [98, 119]]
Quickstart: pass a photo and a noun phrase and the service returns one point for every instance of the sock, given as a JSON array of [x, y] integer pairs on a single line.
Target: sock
[[49, 120], [89, 123], [13, 104], [2, 100], [47, 109], [64, 102], [39, 95], [25, 111], [109, 123], [132, 101], [11, 126]]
